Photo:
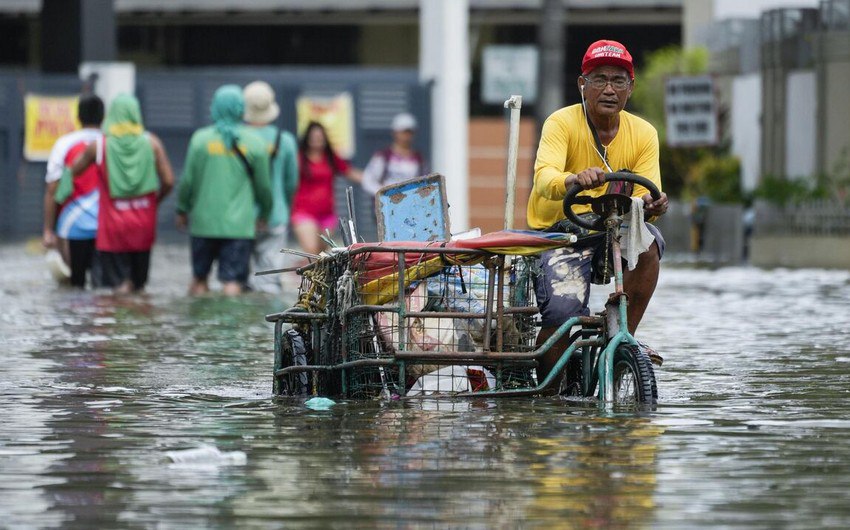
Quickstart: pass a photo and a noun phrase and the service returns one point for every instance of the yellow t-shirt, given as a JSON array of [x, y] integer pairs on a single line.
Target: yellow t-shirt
[[567, 147]]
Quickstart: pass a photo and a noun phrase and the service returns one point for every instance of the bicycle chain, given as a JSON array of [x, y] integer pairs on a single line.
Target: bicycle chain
[[606, 272]]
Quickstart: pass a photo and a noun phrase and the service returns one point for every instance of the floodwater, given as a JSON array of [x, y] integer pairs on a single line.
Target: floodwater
[[752, 429]]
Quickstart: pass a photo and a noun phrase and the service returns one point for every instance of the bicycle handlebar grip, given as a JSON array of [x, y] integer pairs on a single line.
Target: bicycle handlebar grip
[[617, 176], [635, 179]]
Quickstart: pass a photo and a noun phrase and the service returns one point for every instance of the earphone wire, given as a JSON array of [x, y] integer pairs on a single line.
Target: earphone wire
[[593, 134]]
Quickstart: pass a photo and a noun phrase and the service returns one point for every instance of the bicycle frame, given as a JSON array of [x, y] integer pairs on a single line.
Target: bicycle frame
[[615, 333]]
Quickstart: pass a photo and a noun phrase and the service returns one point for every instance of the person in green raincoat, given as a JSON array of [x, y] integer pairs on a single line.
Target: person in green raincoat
[[135, 175], [224, 193]]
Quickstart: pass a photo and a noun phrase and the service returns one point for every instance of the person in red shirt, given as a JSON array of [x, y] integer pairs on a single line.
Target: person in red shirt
[[313, 205]]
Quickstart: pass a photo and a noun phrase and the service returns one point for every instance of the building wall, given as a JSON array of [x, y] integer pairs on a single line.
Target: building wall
[[488, 149], [800, 124], [834, 106], [829, 252], [375, 50], [746, 127], [773, 121], [696, 17]]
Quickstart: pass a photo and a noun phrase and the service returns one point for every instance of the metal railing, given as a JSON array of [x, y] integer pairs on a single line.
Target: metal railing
[[814, 218]]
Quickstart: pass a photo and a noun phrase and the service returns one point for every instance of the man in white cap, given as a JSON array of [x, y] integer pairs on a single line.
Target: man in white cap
[[260, 111], [398, 162]]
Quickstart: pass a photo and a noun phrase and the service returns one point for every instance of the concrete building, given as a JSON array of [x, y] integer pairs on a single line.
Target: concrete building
[[782, 76], [178, 33]]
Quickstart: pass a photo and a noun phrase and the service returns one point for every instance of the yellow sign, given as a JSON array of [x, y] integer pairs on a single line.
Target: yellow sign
[[46, 118], [336, 114]]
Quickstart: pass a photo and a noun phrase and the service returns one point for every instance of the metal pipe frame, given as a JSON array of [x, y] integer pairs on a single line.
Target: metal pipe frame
[[334, 367]]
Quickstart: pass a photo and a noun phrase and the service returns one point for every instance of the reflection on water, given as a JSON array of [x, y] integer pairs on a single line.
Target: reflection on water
[[95, 390]]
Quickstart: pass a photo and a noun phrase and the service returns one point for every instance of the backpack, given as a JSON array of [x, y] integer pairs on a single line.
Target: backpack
[[387, 153]]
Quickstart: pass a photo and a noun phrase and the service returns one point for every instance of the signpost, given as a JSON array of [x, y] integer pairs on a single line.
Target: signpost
[[691, 111]]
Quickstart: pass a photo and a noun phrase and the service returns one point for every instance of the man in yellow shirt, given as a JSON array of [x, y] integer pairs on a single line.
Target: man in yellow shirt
[[578, 145]]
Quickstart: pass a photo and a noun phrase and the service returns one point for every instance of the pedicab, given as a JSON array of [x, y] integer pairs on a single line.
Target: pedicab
[[439, 316], [457, 317]]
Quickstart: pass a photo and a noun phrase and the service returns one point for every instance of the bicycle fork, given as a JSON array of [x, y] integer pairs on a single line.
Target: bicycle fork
[[616, 315]]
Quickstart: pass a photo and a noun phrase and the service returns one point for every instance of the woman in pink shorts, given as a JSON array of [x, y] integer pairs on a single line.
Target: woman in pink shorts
[[313, 205]]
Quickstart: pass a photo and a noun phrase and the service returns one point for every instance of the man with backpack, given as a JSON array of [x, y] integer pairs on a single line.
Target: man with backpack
[[224, 194], [398, 162], [261, 111]]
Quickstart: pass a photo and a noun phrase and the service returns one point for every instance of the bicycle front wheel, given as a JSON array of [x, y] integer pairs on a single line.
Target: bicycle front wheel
[[634, 378]]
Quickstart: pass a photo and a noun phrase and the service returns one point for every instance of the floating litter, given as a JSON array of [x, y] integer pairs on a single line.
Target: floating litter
[[206, 456], [319, 403]]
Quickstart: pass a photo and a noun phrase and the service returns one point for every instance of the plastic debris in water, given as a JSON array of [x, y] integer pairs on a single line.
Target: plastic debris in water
[[206, 455], [319, 403]]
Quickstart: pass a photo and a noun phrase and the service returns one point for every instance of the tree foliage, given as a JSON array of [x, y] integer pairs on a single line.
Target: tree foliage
[[648, 95], [715, 177]]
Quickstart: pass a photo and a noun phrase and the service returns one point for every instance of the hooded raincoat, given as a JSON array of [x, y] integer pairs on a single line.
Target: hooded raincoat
[[219, 190], [128, 181]]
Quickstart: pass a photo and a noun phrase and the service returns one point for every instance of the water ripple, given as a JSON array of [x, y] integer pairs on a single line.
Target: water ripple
[[751, 430]]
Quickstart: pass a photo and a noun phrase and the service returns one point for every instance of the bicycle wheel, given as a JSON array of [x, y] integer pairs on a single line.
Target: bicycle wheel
[[634, 378], [571, 380], [294, 353]]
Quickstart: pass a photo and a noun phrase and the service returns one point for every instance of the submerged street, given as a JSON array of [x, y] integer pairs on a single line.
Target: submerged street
[[95, 390]]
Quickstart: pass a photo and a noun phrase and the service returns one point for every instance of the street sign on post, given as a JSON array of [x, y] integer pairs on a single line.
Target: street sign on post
[[508, 70], [691, 111]]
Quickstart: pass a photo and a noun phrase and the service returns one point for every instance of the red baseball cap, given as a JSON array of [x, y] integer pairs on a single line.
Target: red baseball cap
[[607, 52]]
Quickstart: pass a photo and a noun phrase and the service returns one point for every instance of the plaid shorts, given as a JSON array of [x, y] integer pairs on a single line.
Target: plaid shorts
[[563, 285]]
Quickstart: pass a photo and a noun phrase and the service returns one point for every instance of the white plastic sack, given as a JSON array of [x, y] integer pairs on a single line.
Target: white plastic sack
[[454, 378]]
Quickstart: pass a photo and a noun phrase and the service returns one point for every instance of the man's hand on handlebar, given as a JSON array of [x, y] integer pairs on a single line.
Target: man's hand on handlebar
[[590, 178], [654, 208]]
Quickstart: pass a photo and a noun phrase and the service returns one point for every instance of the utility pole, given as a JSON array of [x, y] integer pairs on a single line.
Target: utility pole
[[444, 62], [552, 32]]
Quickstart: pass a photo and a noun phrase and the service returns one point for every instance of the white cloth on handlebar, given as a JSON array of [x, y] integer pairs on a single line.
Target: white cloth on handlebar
[[635, 237]]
